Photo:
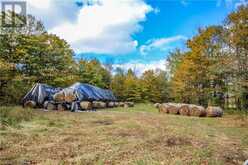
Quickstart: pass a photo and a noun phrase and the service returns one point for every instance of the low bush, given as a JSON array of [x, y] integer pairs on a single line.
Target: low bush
[[12, 116]]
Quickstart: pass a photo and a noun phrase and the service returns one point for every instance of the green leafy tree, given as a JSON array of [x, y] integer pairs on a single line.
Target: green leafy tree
[[93, 72], [237, 39], [132, 90], [117, 84], [154, 86], [29, 56]]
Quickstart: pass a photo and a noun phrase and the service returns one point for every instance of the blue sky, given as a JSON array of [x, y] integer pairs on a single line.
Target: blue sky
[[135, 34]]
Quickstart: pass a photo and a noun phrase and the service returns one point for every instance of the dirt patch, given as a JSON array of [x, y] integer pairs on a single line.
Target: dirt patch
[[137, 133], [103, 122], [70, 139], [176, 141], [234, 157], [162, 141]]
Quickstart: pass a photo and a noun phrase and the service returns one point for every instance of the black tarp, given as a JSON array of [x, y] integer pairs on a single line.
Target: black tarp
[[40, 93]]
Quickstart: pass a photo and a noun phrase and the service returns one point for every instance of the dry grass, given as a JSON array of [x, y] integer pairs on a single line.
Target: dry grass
[[137, 135]]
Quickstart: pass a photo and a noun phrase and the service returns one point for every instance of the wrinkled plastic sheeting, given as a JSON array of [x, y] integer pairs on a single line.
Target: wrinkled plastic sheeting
[[40, 93], [90, 92]]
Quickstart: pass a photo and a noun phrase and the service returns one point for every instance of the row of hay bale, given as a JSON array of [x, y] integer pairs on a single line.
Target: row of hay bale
[[83, 105], [86, 105], [189, 110]]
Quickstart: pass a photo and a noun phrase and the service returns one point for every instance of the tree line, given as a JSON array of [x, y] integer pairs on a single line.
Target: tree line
[[31, 55], [212, 71]]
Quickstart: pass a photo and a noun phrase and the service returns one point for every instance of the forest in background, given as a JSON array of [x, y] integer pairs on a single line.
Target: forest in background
[[212, 71]]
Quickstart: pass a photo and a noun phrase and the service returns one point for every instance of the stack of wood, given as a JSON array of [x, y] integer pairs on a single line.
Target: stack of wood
[[189, 110]]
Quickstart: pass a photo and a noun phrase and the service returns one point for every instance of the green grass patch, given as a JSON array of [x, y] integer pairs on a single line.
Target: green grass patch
[[141, 107], [136, 135], [13, 116]]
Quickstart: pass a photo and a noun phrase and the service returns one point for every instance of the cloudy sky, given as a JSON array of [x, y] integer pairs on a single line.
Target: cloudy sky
[[134, 34]]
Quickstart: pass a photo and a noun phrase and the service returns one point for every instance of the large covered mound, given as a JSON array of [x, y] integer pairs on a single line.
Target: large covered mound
[[76, 92], [86, 92], [40, 93]]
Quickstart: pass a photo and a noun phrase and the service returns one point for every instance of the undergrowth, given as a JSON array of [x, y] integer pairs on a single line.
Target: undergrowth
[[13, 116]]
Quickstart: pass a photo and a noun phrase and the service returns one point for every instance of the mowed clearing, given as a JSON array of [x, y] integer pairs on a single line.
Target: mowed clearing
[[138, 135]]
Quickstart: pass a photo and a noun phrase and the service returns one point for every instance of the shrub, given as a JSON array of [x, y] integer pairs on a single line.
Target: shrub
[[12, 116]]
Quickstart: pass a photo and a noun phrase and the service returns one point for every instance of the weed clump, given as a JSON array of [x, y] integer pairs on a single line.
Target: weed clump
[[13, 116]]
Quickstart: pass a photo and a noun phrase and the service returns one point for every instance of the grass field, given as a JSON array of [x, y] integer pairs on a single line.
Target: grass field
[[138, 135]]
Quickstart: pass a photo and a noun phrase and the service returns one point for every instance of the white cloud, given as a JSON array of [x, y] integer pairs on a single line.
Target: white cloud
[[241, 2], [231, 3], [53, 12], [99, 26], [140, 68], [162, 44]]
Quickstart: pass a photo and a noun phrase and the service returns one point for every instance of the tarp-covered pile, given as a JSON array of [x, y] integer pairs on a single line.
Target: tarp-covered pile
[[40, 93], [86, 92], [77, 92]]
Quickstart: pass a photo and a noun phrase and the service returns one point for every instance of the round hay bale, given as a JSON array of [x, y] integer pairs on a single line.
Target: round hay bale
[[69, 96], [214, 111], [86, 105], [51, 106], [130, 104], [156, 105], [163, 108], [61, 107], [121, 104], [173, 108], [110, 104], [126, 105], [102, 104], [184, 110], [116, 104], [95, 104], [59, 97], [30, 104], [198, 111]]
